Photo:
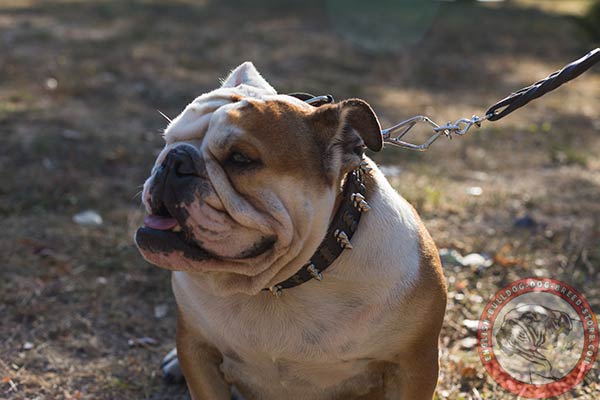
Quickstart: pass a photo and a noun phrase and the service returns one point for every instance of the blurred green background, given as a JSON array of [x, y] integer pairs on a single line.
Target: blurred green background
[[80, 86]]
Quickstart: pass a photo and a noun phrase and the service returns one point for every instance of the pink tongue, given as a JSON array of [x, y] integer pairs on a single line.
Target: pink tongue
[[160, 223]]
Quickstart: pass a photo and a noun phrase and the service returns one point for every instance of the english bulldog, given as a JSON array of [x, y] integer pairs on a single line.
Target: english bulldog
[[298, 271]]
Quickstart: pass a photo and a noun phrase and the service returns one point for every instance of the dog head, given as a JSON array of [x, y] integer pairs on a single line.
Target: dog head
[[247, 182]]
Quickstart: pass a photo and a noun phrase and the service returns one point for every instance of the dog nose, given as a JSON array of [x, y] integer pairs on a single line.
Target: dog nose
[[181, 166], [181, 161]]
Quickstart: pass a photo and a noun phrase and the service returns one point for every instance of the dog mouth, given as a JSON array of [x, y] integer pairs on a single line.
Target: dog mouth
[[163, 234]]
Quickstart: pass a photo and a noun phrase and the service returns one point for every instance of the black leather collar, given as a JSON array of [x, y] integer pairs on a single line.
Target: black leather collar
[[340, 231]]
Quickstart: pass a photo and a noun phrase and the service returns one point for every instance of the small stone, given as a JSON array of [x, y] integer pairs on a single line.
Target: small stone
[[101, 280], [160, 311], [476, 260], [88, 218], [468, 343], [474, 191], [51, 83], [27, 346], [471, 324]]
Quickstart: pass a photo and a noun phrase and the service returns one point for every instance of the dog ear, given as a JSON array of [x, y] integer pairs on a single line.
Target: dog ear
[[350, 124], [358, 116], [247, 74], [345, 129]]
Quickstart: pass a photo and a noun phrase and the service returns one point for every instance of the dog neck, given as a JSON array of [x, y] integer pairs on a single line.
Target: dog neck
[[349, 205]]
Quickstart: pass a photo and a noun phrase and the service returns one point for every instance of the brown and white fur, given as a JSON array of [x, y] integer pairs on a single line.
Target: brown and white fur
[[369, 330]]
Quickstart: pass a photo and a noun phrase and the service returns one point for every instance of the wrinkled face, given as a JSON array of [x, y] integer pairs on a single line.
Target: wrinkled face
[[246, 184]]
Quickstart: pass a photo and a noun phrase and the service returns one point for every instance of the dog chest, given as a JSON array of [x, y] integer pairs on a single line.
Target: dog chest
[[290, 343], [280, 377]]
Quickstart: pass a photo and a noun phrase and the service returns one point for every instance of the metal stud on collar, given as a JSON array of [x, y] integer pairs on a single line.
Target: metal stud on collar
[[314, 272], [342, 239], [359, 202], [276, 290], [364, 167], [337, 240]]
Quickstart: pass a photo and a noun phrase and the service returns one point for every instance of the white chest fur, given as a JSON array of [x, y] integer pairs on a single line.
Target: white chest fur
[[320, 335]]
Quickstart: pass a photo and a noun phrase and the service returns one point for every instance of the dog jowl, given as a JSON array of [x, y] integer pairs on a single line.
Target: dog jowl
[[256, 190]]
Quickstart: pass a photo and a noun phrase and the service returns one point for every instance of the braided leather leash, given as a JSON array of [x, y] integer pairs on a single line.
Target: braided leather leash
[[499, 110]]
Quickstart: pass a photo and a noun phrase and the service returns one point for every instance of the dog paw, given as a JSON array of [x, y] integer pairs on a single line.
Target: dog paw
[[170, 368]]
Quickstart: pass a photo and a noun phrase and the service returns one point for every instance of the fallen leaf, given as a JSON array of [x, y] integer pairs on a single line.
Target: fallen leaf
[[506, 261], [461, 285], [468, 372], [501, 258]]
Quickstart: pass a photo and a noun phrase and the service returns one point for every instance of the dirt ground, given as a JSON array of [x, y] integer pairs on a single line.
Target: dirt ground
[[80, 86]]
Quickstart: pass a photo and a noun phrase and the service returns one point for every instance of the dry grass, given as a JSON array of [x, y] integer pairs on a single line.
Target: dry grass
[[77, 294]]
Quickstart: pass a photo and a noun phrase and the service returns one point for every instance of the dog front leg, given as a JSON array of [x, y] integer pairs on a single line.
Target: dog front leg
[[199, 363], [413, 379]]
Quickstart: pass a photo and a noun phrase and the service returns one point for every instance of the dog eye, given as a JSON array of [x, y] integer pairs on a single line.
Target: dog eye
[[240, 159]]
